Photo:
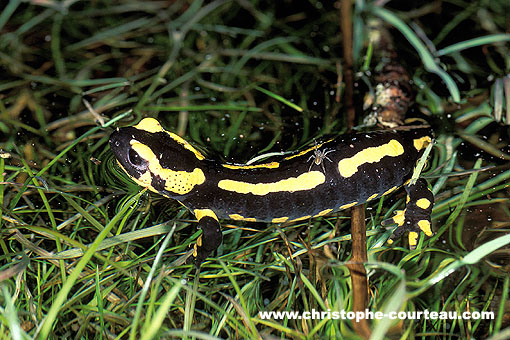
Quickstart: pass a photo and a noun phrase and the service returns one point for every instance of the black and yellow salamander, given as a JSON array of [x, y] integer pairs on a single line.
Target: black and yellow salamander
[[337, 174]]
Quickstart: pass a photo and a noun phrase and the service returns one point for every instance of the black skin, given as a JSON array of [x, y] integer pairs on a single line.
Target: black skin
[[211, 238]]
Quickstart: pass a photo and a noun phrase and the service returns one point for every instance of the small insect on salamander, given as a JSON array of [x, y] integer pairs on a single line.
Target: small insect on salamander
[[318, 157], [360, 168]]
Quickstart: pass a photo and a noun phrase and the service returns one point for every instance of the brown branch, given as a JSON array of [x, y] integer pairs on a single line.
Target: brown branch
[[346, 29], [358, 229]]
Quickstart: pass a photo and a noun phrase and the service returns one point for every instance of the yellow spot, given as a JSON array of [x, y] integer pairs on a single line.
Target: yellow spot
[[304, 152], [195, 251], [408, 199], [153, 126], [199, 213], [422, 142], [345, 206], [306, 181], [324, 212], [178, 182], [349, 166], [413, 239], [238, 217], [399, 217], [423, 203], [425, 227], [199, 241], [279, 219], [372, 197], [390, 241], [389, 191], [271, 165]]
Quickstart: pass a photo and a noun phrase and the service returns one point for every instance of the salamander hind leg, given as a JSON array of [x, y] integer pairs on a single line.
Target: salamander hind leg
[[211, 237], [416, 215]]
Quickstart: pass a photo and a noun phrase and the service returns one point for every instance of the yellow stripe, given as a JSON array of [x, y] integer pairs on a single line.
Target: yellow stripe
[[271, 165], [372, 197], [422, 142], [304, 152], [389, 191], [153, 126], [301, 218], [349, 166], [324, 212], [306, 181], [345, 206], [279, 219]]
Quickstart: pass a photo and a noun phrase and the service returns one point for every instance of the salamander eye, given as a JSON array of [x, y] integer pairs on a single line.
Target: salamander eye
[[135, 159]]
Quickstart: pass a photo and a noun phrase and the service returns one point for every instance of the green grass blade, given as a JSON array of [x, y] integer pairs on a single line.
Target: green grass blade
[[178, 38], [279, 98], [55, 45], [463, 199], [161, 313], [61, 297], [502, 304], [475, 42], [10, 314], [7, 12], [486, 249], [242, 301], [120, 239], [425, 55], [99, 299], [147, 283], [111, 33]]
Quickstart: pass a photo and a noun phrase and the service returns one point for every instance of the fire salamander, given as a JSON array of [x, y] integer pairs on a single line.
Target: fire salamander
[[334, 175]]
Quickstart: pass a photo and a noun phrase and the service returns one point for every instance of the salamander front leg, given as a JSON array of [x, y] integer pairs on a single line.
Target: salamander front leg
[[416, 215], [211, 237]]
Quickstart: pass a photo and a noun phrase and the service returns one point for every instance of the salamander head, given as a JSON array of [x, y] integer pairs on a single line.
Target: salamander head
[[157, 159]]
